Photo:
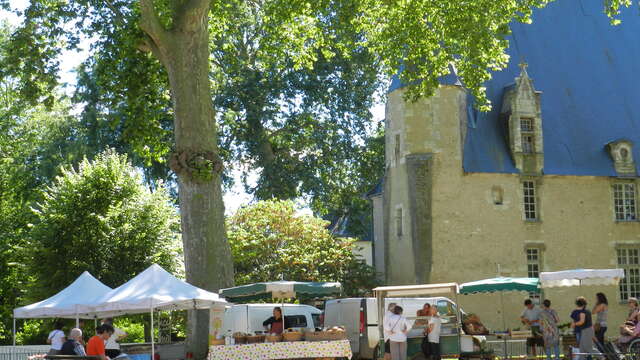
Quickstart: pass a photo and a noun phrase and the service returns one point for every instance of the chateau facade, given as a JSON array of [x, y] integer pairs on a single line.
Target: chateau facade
[[546, 181]]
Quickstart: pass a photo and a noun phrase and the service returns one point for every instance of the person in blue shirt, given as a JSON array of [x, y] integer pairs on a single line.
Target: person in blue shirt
[[583, 327]]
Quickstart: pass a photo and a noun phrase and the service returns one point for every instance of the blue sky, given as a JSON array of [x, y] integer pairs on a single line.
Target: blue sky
[[234, 197]]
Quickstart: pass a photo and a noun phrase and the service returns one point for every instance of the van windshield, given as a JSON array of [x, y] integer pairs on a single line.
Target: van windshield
[[316, 320], [446, 308]]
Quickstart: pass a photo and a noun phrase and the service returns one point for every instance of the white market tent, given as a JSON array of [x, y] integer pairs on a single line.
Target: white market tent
[[85, 290], [152, 289], [580, 277]]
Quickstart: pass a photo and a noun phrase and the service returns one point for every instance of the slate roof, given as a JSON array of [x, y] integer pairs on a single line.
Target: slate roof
[[589, 75]]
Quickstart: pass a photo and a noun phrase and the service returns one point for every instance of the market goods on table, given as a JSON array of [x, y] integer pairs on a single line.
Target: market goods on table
[[292, 336], [273, 338]]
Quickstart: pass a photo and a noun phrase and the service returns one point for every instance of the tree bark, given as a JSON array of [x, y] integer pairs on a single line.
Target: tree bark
[[184, 51]]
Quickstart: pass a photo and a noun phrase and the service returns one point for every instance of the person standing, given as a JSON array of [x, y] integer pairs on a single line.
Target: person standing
[[56, 338], [600, 310], [421, 320], [433, 334], [95, 345], [549, 324], [275, 324], [531, 317], [397, 328], [73, 346], [387, 345], [112, 348], [583, 327]]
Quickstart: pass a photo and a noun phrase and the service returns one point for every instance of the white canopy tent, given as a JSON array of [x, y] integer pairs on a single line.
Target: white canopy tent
[[85, 290], [153, 289], [580, 277]]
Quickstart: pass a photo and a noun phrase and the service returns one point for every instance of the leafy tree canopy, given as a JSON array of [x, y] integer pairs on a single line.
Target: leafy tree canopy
[[423, 37], [101, 218], [269, 242]]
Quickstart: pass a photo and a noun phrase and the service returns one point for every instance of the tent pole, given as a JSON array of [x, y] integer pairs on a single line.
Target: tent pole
[[459, 319], [13, 348], [504, 325], [153, 348]]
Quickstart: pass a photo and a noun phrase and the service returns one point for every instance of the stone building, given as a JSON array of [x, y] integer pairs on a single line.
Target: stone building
[[546, 181]]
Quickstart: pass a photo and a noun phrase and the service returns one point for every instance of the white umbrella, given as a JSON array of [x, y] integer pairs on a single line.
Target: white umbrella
[[579, 277]]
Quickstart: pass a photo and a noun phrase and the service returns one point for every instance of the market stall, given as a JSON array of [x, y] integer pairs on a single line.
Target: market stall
[[501, 285], [151, 290], [453, 343], [294, 343], [579, 277], [85, 290]]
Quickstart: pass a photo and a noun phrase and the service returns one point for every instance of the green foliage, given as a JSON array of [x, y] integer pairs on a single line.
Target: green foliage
[[270, 242], [278, 118], [424, 38], [340, 190], [102, 219], [33, 331], [133, 328]]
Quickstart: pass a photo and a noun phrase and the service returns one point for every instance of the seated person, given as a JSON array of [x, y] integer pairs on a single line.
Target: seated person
[[629, 332], [73, 346], [275, 324], [95, 345]]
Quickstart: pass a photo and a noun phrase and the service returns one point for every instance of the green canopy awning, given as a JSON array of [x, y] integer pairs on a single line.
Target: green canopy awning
[[281, 290], [501, 284]]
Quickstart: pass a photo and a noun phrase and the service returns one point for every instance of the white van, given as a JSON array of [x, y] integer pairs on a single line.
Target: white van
[[359, 316], [248, 318]]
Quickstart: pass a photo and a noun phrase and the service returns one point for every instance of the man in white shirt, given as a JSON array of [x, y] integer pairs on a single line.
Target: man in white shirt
[[531, 317], [387, 346], [433, 334], [112, 348], [56, 338]]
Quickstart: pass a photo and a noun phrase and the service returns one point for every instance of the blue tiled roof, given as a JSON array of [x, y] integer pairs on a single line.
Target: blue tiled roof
[[589, 75], [376, 190]]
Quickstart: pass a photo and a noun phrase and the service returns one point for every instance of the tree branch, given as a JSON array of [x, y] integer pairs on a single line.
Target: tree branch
[[150, 22], [148, 45], [195, 5], [192, 12]]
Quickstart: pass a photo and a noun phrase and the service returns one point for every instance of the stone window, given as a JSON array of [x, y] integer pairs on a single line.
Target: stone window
[[399, 222], [629, 261], [624, 201], [396, 149], [527, 135], [497, 194], [529, 200], [533, 268], [533, 262]]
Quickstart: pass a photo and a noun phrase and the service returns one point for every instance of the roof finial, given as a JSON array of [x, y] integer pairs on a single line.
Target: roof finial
[[523, 68]]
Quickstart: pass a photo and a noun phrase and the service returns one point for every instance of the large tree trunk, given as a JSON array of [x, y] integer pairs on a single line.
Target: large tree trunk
[[184, 51]]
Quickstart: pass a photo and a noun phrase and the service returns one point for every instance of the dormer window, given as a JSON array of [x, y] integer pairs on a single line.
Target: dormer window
[[527, 135], [522, 114], [624, 154], [620, 152]]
